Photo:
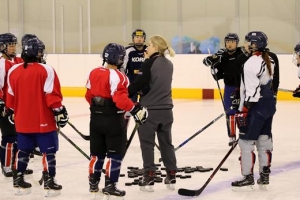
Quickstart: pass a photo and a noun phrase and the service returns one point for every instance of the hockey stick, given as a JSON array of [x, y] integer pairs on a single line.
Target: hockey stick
[[85, 137], [193, 193], [222, 99], [131, 136], [73, 144], [285, 90], [201, 130]]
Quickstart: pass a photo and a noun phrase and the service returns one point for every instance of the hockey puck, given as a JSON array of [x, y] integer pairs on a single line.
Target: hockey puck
[[188, 176], [135, 183], [223, 169], [128, 184], [182, 177], [122, 175], [163, 175], [157, 165]]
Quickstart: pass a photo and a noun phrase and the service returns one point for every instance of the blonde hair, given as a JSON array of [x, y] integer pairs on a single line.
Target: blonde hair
[[162, 45]]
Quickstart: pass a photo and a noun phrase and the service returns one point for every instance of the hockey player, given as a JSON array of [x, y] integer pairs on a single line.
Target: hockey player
[[46, 110], [108, 98], [8, 44], [256, 110], [133, 60], [243, 57], [224, 66], [154, 84], [296, 61]]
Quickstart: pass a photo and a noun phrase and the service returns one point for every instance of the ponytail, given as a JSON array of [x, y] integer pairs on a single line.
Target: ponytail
[[267, 60]]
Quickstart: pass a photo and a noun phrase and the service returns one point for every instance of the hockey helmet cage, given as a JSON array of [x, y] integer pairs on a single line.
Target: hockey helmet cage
[[114, 54]]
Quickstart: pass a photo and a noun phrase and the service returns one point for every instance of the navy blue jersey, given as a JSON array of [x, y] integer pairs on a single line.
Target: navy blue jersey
[[133, 61]]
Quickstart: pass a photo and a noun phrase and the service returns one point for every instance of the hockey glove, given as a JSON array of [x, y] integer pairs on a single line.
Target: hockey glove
[[241, 120], [235, 99], [296, 92], [2, 108], [208, 61], [249, 105], [10, 116], [139, 113], [61, 116]]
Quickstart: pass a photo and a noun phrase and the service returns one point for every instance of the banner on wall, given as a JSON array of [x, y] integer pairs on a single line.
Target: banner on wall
[[188, 45]]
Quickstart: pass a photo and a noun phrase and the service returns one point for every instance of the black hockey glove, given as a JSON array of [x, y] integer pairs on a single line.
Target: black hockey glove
[[10, 116], [296, 92], [235, 99], [241, 120], [61, 116], [249, 105], [2, 108], [208, 61], [139, 113]]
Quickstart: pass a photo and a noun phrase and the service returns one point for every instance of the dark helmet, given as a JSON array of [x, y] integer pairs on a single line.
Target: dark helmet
[[296, 54], [232, 36], [5, 39], [139, 32], [297, 48], [32, 47], [258, 38], [27, 37], [114, 54]]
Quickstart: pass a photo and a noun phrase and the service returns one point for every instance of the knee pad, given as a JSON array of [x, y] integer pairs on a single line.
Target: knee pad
[[248, 156]]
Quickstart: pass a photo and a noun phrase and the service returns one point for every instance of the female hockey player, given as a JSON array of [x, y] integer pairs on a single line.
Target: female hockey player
[[254, 119], [35, 116], [153, 83], [108, 98], [296, 61], [133, 60], [8, 44], [224, 66]]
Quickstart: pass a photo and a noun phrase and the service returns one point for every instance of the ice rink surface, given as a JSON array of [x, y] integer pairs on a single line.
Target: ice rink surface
[[207, 150]]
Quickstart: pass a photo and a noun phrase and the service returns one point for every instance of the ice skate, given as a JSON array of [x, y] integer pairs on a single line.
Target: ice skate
[[50, 186], [94, 182], [263, 180], [231, 141], [170, 180], [146, 184], [20, 185], [6, 171], [246, 184], [112, 190]]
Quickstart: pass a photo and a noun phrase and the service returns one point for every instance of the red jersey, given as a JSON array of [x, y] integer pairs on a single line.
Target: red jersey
[[33, 93], [5, 65], [109, 83]]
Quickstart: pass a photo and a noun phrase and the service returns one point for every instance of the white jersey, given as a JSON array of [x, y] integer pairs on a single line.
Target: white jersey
[[255, 74]]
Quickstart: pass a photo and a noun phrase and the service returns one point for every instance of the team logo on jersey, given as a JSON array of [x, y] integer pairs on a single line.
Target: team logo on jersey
[[137, 59]]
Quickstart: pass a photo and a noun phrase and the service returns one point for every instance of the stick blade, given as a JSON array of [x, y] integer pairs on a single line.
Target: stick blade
[[189, 193]]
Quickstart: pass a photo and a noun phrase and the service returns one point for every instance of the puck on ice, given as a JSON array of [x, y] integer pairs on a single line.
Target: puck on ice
[[223, 169], [128, 184]]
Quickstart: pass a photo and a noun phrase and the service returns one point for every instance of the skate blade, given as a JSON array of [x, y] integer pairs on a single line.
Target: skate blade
[[263, 187], [22, 191], [95, 194], [170, 186], [248, 188], [147, 188], [51, 193], [112, 197]]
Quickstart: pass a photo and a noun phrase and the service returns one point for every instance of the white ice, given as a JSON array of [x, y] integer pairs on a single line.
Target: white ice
[[207, 149]]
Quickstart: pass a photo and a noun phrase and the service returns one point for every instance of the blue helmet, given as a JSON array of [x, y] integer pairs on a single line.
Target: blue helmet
[[114, 54], [232, 36], [26, 37], [5, 40], [32, 48], [258, 38]]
